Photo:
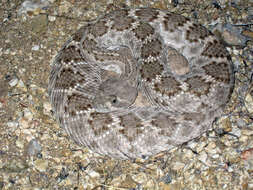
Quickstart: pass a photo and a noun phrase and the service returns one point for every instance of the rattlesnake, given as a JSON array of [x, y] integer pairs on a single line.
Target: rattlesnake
[[140, 81]]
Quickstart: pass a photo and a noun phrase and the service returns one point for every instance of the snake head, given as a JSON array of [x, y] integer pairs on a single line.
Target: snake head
[[114, 94]]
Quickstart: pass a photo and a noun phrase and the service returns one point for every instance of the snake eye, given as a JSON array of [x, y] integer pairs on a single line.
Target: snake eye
[[114, 99]]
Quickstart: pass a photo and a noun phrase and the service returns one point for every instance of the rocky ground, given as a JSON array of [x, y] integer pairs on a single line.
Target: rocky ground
[[35, 153]]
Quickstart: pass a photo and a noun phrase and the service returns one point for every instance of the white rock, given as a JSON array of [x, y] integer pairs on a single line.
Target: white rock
[[47, 108], [192, 145], [21, 84], [28, 114], [249, 103], [93, 174], [36, 48], [13, 82], [215, 156], [203, 157], [12, 124], [178, 166], [200, 146], [51, 18], [20, 144], [30, 5]]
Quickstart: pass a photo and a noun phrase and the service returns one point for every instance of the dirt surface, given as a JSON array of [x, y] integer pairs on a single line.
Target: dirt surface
[[35, 153]]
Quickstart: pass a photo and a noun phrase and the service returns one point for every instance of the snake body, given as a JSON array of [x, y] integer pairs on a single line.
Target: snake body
[[139, 81]]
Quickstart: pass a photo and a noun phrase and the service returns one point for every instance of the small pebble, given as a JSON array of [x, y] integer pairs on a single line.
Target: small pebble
[[34, 148], [178, 166], [51, 18], [21, 84], [32, 6], [200, 146], [47, 108], [215, 156], [247, 156], [20, 144], [41, 165], [13, 82], [166, 179], [28, 114], [192, 144], [231, 34], [23, 123], [93, 174], [15, 165], [64, 7], [35, 48], [12, 124], [203, 157], [249, 102]]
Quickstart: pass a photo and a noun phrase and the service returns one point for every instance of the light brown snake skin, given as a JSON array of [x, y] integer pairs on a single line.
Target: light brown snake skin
[[138, 82]]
